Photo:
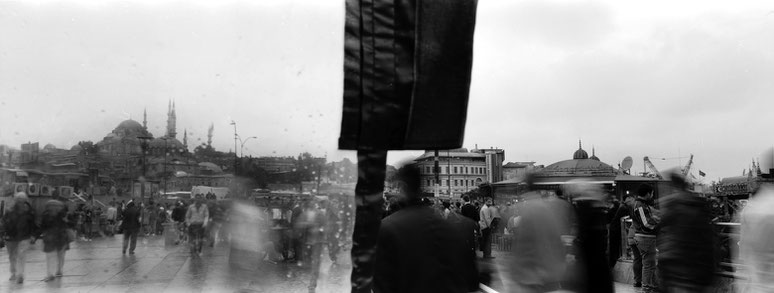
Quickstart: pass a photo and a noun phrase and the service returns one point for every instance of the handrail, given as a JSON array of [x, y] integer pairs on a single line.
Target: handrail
[[727, 231]]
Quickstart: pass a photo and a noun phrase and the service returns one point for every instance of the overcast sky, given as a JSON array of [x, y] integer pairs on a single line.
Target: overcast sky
[[648, 78]]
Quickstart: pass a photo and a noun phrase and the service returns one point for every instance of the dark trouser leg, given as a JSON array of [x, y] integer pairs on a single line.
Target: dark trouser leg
[[636, 263], [133, 240], [127, 235], [647, 247], [486, 242], [614, 250], [314, 257], [368, 216]]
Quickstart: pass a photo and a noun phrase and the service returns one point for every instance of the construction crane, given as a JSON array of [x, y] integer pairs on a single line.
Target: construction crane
[[687, 169], [652, 168]]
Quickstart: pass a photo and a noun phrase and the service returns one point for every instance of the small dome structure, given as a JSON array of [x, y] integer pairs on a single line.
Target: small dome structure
[[593, 155], [580, 154]]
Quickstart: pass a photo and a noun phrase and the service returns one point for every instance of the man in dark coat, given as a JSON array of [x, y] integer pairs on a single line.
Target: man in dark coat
[[686, 241], [131, 226], [419, 251], [469, 210]]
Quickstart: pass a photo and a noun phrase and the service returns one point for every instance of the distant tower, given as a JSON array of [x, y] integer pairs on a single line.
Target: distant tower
[[209, 134], [185, 138], [145, 118], [171, 121]]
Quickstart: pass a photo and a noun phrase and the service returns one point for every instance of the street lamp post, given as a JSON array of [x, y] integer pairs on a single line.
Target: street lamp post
[[235, 146], [242, 146]]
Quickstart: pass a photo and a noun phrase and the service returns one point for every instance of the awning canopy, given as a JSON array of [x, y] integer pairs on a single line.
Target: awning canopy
[[568, 179]]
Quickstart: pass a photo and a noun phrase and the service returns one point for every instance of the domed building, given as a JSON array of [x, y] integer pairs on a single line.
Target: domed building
[[133, 150], [125, 139], [554, 176], [580, 167]]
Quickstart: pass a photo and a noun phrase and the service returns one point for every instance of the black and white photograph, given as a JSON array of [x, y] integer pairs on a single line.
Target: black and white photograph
[[386, 146]]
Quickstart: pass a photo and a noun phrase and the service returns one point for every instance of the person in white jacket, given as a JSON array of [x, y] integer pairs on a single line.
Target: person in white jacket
[[486, 215]]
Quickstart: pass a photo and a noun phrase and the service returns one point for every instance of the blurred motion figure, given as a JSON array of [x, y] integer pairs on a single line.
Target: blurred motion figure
[[419, 251], [756, 245], [686, 240]]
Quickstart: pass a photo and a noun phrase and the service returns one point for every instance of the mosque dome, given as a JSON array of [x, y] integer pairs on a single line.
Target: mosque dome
[[580, 154], [49, 148], [131, 128], [130, 125], [581, 165], [166, 142]]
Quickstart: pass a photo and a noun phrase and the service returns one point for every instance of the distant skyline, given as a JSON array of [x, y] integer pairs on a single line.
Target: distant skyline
[[660, 78]]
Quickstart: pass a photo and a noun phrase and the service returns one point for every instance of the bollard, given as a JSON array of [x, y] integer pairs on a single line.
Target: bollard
[[170, 234]]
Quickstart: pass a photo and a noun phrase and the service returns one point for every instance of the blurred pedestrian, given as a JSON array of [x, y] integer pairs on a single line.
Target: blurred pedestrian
[[537, 261], [636, 256], [197, 218], [333, 230], [314, 222], [178, 216], [112, 217], [131, 226], [298, 232], [145, 219], [408, 255], [686, 240], [591, 213], [88, 217], [446, 209], [153, 214], [615, 238], [20, 233], [645, 220], [756, 244], [56, 240]]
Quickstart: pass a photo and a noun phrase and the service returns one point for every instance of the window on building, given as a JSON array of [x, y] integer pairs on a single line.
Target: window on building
[[427, 170], [447, 169], [455, 170], [447, 182]]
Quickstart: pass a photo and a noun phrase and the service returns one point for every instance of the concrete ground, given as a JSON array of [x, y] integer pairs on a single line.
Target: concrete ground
[[99, 266]]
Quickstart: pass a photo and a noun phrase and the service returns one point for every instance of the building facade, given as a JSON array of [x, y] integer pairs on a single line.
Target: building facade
[[513, 170], [494, 163], [460, 171]]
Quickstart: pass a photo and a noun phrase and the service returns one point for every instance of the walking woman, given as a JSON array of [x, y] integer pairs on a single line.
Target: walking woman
[[55, 237], [20, 232]]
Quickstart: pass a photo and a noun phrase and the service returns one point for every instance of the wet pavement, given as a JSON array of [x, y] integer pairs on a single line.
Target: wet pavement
[[99, 266], [497, 270]]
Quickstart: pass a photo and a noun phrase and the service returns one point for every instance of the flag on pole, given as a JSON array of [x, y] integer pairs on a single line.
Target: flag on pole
[[702, 174]]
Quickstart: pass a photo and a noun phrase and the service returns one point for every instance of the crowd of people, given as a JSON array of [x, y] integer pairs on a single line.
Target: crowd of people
[[567, 239], [60, 223]]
